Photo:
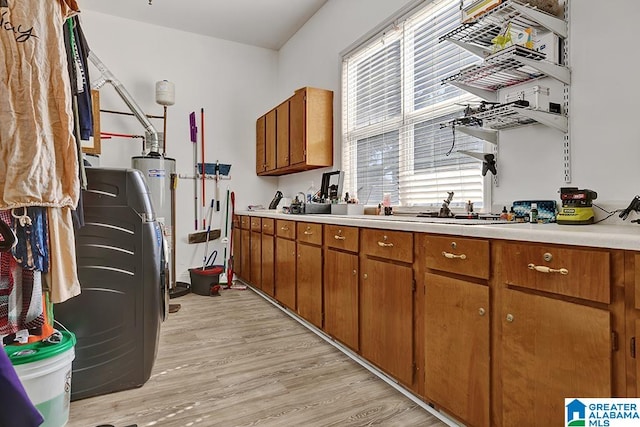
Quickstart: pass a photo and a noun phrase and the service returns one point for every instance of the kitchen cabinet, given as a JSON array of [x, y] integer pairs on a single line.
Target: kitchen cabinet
[[386, 302], [236, 246], [282, 135], [341, 306], [285, 271], [245, 248], [255, 261], [299, 132], [551, 349], [268, 256], [489, 331], [309, 272], [456, 325], [266, 127], [556, 330]]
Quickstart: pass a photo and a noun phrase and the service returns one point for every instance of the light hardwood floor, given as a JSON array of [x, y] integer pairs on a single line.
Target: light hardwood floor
[[236, 360]]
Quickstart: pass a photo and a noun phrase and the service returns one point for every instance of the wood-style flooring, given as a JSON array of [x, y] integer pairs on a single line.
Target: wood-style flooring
[[236, 360]]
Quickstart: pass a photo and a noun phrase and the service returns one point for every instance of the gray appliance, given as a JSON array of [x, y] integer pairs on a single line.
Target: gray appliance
[[122, 271]]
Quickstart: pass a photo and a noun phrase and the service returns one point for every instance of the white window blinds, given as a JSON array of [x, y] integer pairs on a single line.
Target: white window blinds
[[394, 105]]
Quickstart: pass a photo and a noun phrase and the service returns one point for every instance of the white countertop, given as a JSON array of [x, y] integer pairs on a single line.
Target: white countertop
[[625, 236]]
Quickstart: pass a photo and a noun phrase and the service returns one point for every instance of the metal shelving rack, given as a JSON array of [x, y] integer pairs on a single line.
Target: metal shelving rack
[[508, 67]]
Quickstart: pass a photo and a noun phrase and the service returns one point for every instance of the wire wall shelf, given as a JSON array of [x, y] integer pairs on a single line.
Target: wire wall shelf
[[483, 29]]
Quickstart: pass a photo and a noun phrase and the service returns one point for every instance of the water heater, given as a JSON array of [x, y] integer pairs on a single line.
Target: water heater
[[157, 171]]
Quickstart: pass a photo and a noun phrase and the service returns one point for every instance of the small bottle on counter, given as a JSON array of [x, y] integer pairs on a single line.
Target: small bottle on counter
[[504, 214], [533, 214], [512, 215]]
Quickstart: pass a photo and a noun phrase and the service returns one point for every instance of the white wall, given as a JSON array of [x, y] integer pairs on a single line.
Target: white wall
[[234, 83], [604, 104]]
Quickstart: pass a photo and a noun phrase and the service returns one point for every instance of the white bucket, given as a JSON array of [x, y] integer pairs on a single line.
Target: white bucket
[[45, 372]]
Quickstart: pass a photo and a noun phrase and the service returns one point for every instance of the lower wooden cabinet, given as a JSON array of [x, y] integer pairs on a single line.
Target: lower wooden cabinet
[[341, 297], [503, 331], [457, 347], [256, 259], [309, 283], [245, 259], [551, 350], [268, 264], [386, 317], [285, 272]]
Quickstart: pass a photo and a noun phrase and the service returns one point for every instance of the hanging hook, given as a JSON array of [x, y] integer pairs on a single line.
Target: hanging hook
[[23, 219]]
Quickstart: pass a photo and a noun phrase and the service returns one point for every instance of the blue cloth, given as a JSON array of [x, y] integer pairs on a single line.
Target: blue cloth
[[16, 409], [32, 249]]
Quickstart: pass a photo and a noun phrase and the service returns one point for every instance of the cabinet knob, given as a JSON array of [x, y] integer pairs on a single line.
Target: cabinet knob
[[355, 272], [308, 231], [481, 311], [365, 276], [509, 318]]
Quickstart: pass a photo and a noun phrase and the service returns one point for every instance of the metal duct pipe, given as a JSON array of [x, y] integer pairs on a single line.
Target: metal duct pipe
[[108, 77]]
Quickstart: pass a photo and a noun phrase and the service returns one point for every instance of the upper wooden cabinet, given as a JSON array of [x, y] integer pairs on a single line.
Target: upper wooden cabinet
[[297, 135]]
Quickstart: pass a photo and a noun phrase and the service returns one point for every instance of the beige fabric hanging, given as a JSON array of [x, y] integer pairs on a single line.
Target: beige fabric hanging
[[38, 157]]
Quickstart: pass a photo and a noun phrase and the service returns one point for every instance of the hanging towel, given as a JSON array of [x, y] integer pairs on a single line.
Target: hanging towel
[[38, 156], [62, 279]]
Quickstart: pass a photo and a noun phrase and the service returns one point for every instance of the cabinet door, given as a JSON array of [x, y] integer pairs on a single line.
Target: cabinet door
[[256, 259], [270, 141], [297, 119], [245, 254], [261, 162], [309, 283], [551, 349], [236, 249], [282, 132], [268, 279], [457, 347], [386, 322], [286, 272], [341, 297]]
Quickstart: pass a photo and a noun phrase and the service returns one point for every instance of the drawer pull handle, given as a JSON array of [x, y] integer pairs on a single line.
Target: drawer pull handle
[[284, 228], [543, 269], [385, 245], [339, 237], [449, 255], [308, 232]]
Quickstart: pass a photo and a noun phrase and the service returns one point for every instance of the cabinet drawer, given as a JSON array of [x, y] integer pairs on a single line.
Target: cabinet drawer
[[245, 222], [286, 229], [268, 226], [393, 245], [580, 273], [339, 237], [256, 223], [309, 233], [469, 257]]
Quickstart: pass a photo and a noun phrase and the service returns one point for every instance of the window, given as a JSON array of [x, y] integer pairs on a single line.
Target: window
[[394, 108]]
